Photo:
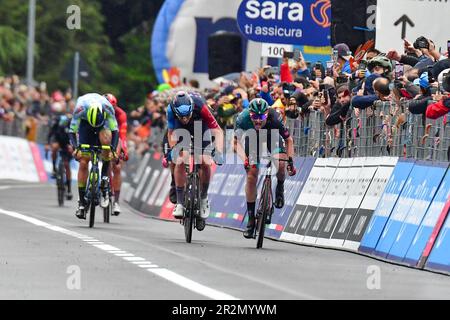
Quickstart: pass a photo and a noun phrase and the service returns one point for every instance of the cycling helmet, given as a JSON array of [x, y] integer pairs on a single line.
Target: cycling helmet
[[95, 115], [111, 98], [258, 106], [182, 105], [380, 61]]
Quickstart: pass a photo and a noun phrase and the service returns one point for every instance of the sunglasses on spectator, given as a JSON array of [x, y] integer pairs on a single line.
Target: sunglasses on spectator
[[255, 116]]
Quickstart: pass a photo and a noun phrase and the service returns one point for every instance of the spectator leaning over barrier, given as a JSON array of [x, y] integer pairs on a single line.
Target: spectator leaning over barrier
[[442, 107], [379, 66], [340, 109]]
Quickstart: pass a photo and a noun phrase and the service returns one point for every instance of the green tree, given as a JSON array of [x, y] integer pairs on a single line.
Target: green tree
[[13, 50]]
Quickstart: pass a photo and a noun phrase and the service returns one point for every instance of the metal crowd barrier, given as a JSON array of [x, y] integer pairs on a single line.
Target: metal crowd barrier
[[386, 129], [28, 128]]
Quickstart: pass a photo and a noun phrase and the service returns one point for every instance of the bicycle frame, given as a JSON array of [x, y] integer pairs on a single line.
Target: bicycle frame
[[93, 184]]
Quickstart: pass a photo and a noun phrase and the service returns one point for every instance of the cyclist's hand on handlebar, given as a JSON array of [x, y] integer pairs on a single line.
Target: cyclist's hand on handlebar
[[290, 167], [76, 153]]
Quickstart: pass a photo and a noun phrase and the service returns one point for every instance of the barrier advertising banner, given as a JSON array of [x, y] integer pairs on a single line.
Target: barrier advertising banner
[[418, 209], [428, 225], [334, 198], [440, 258], [385, 206], [414, 189], [375, 185], [309, 200], [293, 186], [16, 160]]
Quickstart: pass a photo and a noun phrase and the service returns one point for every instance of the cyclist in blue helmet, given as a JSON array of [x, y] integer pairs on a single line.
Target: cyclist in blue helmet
[[188, 115]]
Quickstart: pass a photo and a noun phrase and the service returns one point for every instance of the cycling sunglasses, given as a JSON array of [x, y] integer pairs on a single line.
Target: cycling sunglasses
[[255, 116]]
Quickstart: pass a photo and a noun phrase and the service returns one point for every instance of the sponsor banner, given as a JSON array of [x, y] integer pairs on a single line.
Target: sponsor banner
[[384, 208], [310, 199], [16, 160], [38, 162], [372, 186], [48, 167], [227, 196], [345, 203], [299, 22], [440, 258], [334, 198], [414, 218], [292, 189], [429, 228], [139, 180], [413, 190]]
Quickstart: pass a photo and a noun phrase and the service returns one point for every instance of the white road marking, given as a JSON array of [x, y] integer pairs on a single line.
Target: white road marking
[[161, 272]]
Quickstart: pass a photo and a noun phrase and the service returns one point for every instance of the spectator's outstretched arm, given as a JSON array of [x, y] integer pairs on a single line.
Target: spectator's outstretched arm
[[418, 106], [363, 102], [409, 60]]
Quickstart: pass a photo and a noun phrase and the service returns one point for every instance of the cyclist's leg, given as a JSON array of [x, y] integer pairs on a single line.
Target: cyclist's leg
[[54, 147], [66, 158], [278, 151], [105, 138], [86, 135], [250, 189], [180, 182], [117, 178]]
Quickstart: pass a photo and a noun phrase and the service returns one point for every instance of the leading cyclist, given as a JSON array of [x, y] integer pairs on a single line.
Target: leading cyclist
[[266, 124], [95, 122], [186, 113], [121, 118]]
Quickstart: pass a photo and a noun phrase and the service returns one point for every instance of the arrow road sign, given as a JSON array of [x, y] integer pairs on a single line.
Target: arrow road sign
[[404, 20]]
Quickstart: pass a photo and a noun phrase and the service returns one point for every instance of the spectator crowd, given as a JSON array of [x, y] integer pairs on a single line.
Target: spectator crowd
[[416, 81]]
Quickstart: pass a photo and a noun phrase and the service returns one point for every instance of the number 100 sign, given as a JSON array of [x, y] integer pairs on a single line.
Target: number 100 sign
[[272, 50]]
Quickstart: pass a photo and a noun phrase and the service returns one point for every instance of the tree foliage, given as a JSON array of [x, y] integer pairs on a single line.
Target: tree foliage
[[114, 41]]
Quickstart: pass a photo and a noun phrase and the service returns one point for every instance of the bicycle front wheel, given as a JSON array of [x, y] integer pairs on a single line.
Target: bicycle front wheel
[[191, 191], [264, 209], [92, 200]]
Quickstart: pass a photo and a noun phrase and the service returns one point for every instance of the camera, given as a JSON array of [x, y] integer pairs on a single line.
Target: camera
[[288, 90], [363, 65], [341, 79], [421, 43]]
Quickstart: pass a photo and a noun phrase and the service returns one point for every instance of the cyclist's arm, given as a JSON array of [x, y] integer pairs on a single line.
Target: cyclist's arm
[[216, 131], [285, 134], [73, 130], [238, 133], [121, 117]]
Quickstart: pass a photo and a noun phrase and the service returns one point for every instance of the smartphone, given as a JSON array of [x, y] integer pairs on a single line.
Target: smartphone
[[448, 49], [363, 65], [288, 54], [399, 70], [330, 65], [297, 55], [335, 56]]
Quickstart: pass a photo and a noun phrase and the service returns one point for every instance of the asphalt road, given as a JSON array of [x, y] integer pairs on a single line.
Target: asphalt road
[[47, 253]]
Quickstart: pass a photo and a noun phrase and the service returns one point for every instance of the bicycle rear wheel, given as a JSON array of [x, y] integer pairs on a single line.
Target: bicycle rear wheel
[[265, 206], [60, 183]]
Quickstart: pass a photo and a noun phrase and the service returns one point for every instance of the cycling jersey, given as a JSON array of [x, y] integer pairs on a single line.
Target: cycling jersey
[[274, 121], [121, 118], [59, 130], [82, 107]]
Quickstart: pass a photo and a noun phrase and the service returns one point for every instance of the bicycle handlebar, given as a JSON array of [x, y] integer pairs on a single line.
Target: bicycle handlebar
[[88, 146]]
